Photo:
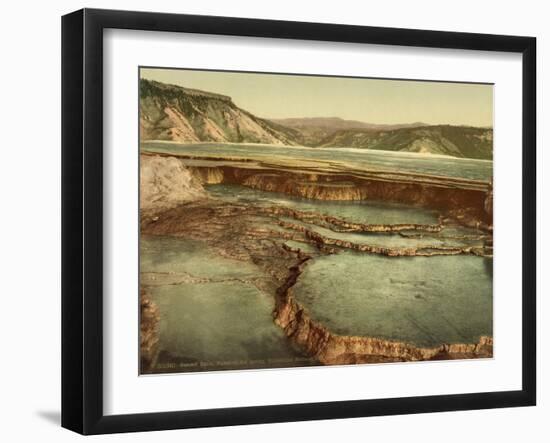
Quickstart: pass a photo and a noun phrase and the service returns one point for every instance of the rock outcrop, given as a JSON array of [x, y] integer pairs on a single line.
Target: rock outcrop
[[165, 183]]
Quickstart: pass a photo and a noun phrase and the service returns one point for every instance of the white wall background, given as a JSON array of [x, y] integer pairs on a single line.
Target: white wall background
[[30, 218]]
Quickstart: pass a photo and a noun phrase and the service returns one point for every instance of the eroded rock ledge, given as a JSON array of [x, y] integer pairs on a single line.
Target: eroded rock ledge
[[328, 182], [425, 251], [340, 225], [234, 230], [332, 349], [221, 224]]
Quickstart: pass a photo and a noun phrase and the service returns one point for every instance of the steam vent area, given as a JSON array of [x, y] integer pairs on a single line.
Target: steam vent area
[[293, 256]]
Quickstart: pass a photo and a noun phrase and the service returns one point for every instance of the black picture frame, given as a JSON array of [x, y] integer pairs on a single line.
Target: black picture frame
[[82, 219]]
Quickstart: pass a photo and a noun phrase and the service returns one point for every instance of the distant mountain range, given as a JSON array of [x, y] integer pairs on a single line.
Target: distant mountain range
[[456, 141], [175, 113], [315, 129]]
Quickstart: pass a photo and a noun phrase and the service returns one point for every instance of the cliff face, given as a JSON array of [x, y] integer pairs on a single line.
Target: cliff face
[[165, 182], [180, 114]]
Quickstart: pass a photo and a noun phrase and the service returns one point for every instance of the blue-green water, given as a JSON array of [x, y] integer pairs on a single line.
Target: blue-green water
[[365, 212], [425, 301], [354, 158], [362, 211], [212, 315], [216, 312]]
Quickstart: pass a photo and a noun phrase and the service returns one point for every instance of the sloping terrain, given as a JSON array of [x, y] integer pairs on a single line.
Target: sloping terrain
[[315, 129], [180, 114], [456, 141]]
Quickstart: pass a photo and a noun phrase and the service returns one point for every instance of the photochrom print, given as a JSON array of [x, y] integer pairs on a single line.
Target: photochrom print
[[301, 220]]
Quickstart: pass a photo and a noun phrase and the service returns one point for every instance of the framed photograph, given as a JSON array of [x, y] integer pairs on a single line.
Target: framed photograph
[[269, 221]]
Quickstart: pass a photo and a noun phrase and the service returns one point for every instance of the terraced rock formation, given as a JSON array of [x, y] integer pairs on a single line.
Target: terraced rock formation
[[469, 201], [258, 235], [283, 241]]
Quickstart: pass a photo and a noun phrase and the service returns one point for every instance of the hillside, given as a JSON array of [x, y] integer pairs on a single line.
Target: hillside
[[456, 141], [315, 129], [169, 112], [175, 113]]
